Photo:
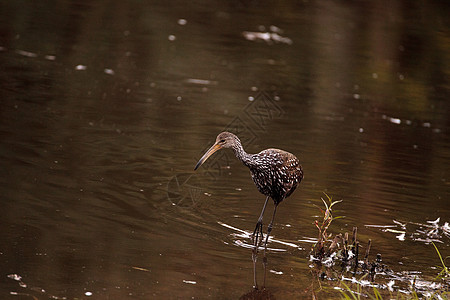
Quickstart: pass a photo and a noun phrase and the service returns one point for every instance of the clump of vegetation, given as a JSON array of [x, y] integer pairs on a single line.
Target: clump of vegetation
[[339, 259], [341, 251]]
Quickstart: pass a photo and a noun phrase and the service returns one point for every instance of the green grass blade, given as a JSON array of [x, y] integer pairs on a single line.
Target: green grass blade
[[445, 270]]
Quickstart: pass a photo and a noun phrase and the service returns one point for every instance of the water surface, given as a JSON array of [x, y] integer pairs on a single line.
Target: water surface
[[107, 106]]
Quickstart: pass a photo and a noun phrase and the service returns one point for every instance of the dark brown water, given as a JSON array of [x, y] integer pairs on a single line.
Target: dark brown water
[[106, 106]]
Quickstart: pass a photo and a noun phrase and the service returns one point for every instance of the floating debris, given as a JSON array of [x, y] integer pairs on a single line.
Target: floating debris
[[251, 246], [189, 281], [26, 53], [109, 71], [50, 57], [141, 269], [80, 67], [308, 240], [399, 121], [393, 231], [401, 237], [242, 234], [403, 225], [172, 38], [395, 120], [390, 284], [446, 229], [430, 231], [268, 37], [201, 81], [34, 289], [15, 277], [435, 222], [182, 22]]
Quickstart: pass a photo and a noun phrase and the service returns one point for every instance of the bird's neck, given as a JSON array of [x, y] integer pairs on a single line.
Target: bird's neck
[[244, 157]]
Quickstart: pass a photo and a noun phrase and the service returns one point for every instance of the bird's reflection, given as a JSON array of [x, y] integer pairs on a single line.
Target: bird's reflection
[[256, 294]]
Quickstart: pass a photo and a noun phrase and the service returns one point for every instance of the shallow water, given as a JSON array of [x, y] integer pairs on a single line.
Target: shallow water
[[107, 106]]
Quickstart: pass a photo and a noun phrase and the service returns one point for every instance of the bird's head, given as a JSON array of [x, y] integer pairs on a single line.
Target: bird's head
[[223, 140]]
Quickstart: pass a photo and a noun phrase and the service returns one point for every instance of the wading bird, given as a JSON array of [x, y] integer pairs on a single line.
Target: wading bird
[[276, 174]]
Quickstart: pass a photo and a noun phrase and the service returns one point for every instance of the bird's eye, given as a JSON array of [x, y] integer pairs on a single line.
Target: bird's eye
[[222, 141]]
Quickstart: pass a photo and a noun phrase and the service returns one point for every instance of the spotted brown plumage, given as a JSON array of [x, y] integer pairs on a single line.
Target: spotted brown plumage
[[276, 174]]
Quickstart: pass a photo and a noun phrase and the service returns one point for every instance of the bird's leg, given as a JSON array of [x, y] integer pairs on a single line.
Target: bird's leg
[[257, 237], [254, 258], [269, 230], [259, 226]]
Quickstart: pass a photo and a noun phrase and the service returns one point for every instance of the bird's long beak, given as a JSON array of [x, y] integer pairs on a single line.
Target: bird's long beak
[[208, 153]]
